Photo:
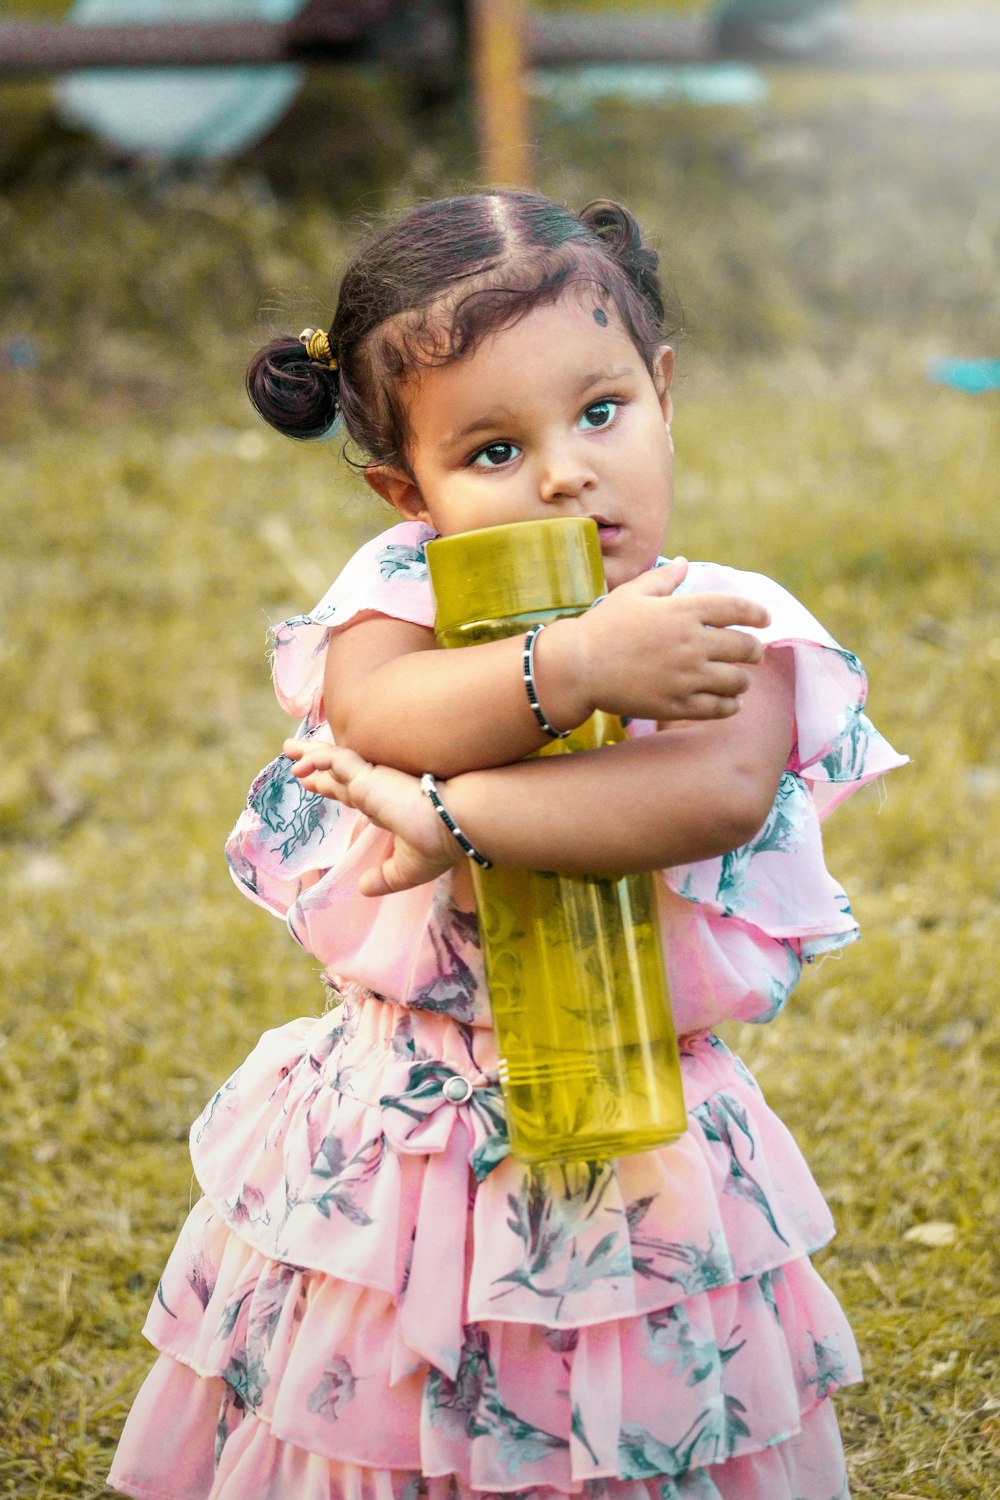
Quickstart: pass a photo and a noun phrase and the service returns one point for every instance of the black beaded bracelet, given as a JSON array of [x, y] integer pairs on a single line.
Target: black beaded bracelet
[[429, 788], [528, 671]]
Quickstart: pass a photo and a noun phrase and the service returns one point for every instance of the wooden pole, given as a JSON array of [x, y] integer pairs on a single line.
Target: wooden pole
[[498, 34]]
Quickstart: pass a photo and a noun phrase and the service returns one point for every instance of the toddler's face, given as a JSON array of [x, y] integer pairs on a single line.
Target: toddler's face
[[554, 416]]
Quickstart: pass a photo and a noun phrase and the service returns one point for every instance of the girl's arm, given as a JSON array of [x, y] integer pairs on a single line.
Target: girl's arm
[[397, 701], [690, 792]]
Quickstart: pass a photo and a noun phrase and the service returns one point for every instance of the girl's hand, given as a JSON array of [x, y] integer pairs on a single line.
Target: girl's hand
[[645, 655], [422, 847]]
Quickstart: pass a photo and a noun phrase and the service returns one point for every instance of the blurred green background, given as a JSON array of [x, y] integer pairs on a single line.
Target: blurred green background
[[822, 246]]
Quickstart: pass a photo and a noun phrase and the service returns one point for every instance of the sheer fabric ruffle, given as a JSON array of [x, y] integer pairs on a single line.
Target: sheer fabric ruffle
[[743, 924], [374, 1301], [369, 1285]]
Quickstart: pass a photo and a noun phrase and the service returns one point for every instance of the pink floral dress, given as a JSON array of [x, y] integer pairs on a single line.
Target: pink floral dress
[[373, 1300]]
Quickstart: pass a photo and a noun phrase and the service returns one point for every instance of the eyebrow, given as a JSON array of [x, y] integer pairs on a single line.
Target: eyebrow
[[601, 375], [484, 423], [497, 418]]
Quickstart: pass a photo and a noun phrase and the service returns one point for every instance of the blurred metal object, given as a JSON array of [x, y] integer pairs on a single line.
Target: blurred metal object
[[495, 42], [335, 30], [499, 62], [30, 48], [945, 38], [177, 113], [321, 32], [795, 27], [217, 94]]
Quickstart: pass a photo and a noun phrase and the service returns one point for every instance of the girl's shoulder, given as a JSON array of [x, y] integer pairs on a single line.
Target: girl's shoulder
[[390, 570]]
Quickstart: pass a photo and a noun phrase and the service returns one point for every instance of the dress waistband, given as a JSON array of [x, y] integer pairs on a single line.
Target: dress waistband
[[412, 1063]]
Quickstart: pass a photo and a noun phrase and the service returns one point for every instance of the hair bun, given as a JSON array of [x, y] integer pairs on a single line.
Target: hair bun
[[621, 236], [293, 392], [613, 224]]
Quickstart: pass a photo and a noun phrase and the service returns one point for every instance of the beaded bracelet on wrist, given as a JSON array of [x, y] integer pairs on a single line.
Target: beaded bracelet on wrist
[[429, 788], [528, 672]]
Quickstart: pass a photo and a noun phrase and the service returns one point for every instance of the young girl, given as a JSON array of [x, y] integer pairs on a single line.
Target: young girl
[[374, 1300]]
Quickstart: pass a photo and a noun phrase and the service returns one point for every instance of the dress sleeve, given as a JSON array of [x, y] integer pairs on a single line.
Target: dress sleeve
[[388, 576], [778, 881], [286, 837]]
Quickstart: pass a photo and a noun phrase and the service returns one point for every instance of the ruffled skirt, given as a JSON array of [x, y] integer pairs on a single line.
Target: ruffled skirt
[[375, 1301]]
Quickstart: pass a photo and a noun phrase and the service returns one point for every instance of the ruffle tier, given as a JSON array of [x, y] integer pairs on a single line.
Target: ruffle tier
[[335, 1147], [731, 1374], [215, 1448], [378, 1285]]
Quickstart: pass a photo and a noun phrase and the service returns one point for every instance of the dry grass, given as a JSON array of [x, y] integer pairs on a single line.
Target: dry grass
[[825, 247]]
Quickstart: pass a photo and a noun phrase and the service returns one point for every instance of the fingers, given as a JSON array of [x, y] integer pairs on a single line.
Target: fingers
[[314, 755], [355, 776], [308, 756], [416, 857], [330, 770], [397, 873], [729, 609], [735, 646], [659, 581], [709, 706], [722, 680], [421, 847], [714, 694], [324, 785], [376, 882]]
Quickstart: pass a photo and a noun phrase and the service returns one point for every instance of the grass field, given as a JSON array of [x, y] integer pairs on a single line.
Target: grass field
[[823, 248]]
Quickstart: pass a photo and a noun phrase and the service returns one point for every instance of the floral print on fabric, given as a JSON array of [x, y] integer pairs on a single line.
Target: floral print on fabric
[[782, 833], [320, 1362], [470, 1407], [717, 1117], [775, 889], [287, 810], [334, 1392], [396, 561], [374, 1300]]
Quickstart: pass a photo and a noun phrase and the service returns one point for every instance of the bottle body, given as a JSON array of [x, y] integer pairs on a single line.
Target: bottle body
[[588, 1055], [574, 965]]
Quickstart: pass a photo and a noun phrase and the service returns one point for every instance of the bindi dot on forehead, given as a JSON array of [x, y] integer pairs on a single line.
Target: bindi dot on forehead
[[601, 317]]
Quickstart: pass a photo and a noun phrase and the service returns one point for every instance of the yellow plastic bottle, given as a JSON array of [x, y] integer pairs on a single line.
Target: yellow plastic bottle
[[588, 1053]]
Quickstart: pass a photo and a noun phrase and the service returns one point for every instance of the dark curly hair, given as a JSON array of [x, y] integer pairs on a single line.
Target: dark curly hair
[[428, 288]]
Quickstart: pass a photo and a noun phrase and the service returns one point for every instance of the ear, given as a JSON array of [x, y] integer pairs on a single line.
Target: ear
[[663, 374], [401, 492]]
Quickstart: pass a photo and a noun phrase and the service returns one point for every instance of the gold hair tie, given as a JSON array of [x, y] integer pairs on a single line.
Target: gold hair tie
[[317, 346]]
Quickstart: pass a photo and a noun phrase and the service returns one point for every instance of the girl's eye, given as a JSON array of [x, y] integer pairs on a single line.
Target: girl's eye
[[599, 414], [494, 455]]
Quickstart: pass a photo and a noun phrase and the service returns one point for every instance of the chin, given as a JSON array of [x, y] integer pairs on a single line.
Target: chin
[[619, 570], [617, 573]]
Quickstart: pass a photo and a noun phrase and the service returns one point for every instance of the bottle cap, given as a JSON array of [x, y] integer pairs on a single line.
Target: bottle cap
[[519, 569]]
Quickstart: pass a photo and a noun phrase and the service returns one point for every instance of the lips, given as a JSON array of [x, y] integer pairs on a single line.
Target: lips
[[608, 531]]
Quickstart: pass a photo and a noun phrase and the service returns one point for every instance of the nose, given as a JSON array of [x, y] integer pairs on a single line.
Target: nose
[[566, 475]]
